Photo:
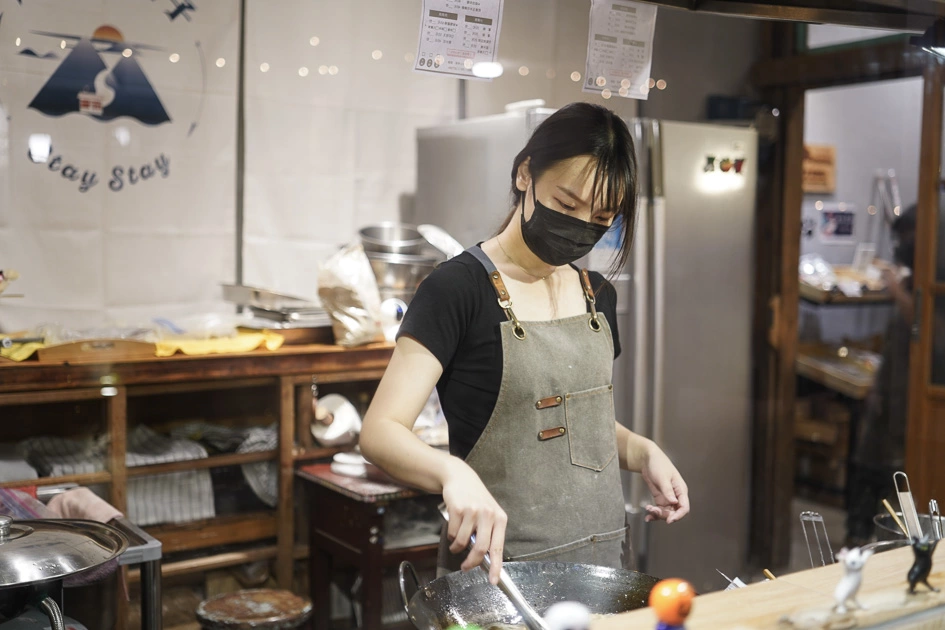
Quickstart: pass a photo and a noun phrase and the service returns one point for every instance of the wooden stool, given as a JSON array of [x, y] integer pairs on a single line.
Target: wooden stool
[[260, 609]]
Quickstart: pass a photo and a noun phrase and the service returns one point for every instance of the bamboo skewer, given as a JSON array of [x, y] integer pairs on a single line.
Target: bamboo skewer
[[895, 516]]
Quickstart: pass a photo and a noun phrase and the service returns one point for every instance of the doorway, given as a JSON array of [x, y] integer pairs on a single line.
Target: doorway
[[860, 185]]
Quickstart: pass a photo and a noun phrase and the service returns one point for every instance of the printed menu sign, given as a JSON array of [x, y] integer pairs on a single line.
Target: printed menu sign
[[620, 48], [455, 35]]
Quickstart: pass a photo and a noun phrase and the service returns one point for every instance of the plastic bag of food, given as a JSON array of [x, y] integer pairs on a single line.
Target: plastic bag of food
[[348, 291]]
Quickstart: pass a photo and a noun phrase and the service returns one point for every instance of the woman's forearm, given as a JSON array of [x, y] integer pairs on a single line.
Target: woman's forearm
[[633, 449], [402, 455], [387, 439]]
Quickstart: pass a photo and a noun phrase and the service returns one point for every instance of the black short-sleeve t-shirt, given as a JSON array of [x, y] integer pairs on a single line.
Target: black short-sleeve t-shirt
[[455, 316]]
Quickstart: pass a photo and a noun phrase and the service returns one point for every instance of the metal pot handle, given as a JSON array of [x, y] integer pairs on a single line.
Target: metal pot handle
[[49, 606], [406, 567]]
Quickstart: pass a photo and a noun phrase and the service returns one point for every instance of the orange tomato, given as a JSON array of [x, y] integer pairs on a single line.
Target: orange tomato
[[671, 600]]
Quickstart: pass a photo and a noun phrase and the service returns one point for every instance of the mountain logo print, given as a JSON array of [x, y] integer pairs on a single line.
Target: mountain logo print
[[84, 83]]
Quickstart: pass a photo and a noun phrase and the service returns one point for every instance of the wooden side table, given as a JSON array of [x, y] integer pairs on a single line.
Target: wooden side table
[[346, 527]]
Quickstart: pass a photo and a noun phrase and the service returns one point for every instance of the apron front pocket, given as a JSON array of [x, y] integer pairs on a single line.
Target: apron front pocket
[[592, 434]]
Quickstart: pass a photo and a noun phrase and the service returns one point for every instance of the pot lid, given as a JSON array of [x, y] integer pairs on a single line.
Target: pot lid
[[40, 550]]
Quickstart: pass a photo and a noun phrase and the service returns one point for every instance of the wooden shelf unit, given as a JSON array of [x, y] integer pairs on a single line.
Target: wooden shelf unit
[[819, 296], [285, 375]]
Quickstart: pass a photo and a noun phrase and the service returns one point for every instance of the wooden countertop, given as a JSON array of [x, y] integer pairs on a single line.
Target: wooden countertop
[[805, 600], [90, 372]]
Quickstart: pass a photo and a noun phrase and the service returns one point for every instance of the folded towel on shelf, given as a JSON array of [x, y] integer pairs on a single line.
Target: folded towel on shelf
[[262, 477], [13, 466], [146, 446], [82, 503], [222, 438], [167, 498], [57, 457], [177, 497]]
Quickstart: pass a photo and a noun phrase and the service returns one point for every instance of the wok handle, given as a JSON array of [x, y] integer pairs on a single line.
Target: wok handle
[[406, 567]]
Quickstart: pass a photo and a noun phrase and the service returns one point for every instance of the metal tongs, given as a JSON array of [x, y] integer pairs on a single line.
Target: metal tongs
[[907, 504], [814, 518], [530, 618], [936, 518]]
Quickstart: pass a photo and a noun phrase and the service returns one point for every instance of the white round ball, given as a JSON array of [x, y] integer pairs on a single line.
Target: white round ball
[[568, 616]]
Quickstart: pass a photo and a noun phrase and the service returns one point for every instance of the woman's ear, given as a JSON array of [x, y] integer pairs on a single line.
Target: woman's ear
[[523, 176]]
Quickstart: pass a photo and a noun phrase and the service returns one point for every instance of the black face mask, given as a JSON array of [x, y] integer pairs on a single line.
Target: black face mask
[[556, 238]]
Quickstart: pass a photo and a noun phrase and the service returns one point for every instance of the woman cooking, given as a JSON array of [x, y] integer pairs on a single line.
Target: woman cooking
[[520, 345]]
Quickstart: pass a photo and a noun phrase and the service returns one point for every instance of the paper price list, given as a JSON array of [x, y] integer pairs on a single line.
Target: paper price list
[[621, 20], [619, 49], [457, 34], [478, 34], [442, 28]]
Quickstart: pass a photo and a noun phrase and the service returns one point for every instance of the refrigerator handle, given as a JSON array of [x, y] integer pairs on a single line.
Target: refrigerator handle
[[659, 300], [642, 368]]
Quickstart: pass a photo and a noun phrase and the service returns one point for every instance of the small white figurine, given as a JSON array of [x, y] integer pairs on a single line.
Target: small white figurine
[[853, 561], [568, 616]]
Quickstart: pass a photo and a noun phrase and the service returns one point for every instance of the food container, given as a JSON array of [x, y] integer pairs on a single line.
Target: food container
[[886, 528], [392, 238]]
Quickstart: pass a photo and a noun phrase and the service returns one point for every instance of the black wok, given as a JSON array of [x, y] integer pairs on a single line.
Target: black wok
[[468, 598]]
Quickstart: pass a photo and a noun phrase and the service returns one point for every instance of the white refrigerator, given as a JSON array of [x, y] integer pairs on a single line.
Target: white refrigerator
[[684, 311]]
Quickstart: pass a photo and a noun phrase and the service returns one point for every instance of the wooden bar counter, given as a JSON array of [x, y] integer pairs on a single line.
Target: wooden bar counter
[[103, 393], [805, 600]]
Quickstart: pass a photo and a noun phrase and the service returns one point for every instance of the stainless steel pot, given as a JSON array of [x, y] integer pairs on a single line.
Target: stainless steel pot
[[35, 556], [400, 272], [468, 598], [392, 238]]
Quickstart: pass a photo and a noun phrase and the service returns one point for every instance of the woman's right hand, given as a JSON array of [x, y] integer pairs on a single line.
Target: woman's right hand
[[473, 510]]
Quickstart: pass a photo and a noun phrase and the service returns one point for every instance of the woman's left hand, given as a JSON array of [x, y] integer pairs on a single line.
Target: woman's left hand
[[669, 490]]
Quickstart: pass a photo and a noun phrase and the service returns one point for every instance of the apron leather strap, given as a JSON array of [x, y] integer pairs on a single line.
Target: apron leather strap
[[593, 322], [505, 302]]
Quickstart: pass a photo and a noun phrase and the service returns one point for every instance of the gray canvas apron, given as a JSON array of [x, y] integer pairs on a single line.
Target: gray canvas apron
[[548, 454]]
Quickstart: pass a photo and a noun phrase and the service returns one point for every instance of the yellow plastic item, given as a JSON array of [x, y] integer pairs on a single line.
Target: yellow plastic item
[[20, 351], [243, 342]]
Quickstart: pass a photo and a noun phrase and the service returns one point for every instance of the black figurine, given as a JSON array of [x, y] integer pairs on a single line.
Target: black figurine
[[923, 548]]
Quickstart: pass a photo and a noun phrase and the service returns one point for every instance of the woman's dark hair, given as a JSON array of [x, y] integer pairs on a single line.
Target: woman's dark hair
[[905, 222], [587, 129]]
